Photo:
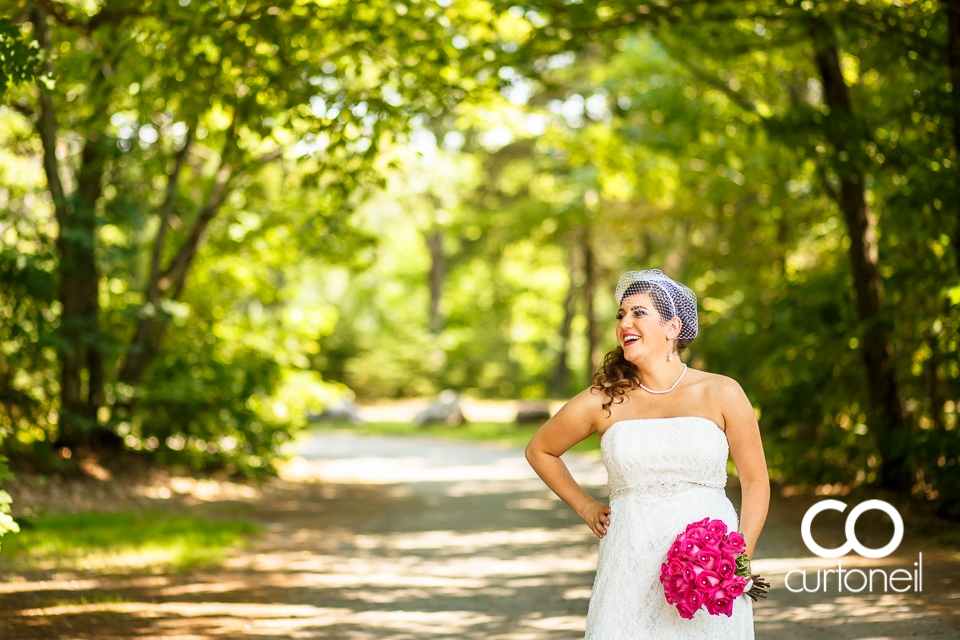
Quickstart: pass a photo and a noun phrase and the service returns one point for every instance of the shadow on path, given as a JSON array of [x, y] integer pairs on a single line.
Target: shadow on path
[[380, 537]]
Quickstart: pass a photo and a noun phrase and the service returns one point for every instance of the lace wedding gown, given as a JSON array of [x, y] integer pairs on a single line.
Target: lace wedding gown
[[664, 473]]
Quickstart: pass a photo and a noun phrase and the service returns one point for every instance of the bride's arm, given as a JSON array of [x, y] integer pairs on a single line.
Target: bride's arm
[[743, 434], [575, 422]]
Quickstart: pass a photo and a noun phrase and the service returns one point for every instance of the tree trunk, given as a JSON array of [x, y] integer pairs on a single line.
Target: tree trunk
[[438, 267], [79, 351], [79, 316], [843, 131], [561, 372], [89, 190], [589, 292], [952, 8]]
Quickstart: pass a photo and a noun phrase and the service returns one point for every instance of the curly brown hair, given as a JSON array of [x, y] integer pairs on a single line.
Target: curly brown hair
[[617, 375]]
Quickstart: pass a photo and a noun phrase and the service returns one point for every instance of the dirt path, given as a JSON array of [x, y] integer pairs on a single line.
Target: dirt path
[[418, 539]]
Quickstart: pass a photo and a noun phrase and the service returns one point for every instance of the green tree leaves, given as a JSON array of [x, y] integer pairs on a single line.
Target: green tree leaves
[[18, 57]]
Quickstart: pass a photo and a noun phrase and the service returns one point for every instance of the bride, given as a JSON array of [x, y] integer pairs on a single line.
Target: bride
[[665, 433]]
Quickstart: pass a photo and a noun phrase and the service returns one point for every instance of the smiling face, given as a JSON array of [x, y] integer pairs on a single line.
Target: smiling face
[[640, 329]]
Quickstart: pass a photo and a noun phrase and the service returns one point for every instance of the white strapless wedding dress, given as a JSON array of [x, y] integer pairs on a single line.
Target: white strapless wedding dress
[[664, 473]]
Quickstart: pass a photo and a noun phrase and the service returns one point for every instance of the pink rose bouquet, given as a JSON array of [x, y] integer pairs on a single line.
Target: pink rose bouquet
[[708, 567]]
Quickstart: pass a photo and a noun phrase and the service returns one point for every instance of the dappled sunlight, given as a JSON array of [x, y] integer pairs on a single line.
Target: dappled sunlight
[[372, 246], [580, 593], [393, 460], [219, 618], [486, 559], [780, 566], [557, 623], [464, 571], [469, 543], [494, 487], [375, 470], [400, 561], [879, 608], [536, 504], [186, 609], [474, 410], [204, 588], [14, 585]]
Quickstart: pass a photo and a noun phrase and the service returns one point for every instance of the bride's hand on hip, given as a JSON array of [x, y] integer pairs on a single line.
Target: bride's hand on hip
[[597, 516]]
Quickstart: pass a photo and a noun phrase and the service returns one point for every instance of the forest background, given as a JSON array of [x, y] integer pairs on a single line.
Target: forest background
[[217, 215]]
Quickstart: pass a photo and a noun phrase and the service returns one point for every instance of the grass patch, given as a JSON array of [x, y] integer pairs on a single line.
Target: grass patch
[[505, 433], [96, 599], [122, 540]]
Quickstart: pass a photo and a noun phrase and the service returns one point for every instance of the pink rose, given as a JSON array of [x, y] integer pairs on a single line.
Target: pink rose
[[681, 592], [726, 567], [717, 527], [693, 599], [709, 558], [696, 535], [736, 586], [675, 568], [678, 583], [719, 603], [674, 589], [707, 580], [736, 541], [685, 611], [698, 525], [690, 548]]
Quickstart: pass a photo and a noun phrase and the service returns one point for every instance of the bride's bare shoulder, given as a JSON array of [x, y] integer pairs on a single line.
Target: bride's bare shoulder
[[708, 378], [583, 408], [716, 386], [589, 400]]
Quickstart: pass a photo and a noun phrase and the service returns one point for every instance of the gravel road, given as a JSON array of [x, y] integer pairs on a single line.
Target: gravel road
[[488, 552], [375, 538]]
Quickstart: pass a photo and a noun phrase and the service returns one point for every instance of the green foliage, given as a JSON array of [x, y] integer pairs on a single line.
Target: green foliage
[[223, 144], [18, 58], [7, 523], [124, 540], [302, 199], [695, 138]]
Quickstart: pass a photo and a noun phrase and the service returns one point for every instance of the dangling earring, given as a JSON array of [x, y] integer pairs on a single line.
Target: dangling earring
[[670, 356]]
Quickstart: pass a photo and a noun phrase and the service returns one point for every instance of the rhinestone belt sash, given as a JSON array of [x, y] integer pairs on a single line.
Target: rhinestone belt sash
[[661, 488]]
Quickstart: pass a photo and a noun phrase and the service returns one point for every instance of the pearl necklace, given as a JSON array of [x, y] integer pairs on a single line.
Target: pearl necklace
[[649, 390]]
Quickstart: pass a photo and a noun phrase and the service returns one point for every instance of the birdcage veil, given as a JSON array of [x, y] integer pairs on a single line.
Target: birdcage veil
[[671, 298]]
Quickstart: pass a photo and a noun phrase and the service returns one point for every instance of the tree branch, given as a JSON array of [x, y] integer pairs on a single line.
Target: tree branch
[[825, 180], [735, 95], [113, 17], [152, 291], [270, 156], [102, 17], [175, 276], [23, 110], [56, 10], [47, 122]]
